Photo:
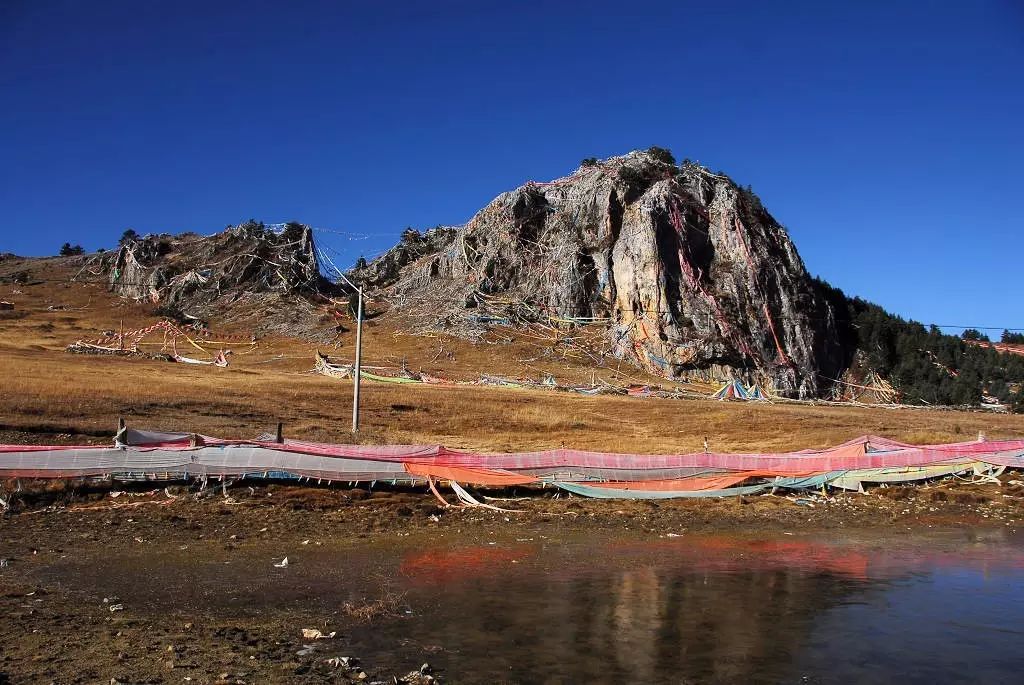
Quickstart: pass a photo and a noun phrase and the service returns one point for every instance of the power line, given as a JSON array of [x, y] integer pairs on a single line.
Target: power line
[[279, 226], [344, 234], [977, 328]]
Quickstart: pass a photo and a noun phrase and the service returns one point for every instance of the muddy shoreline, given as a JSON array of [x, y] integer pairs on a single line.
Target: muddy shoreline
[[55, 633]]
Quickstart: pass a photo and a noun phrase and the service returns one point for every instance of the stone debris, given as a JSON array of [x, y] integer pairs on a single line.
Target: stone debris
[[314, 634]]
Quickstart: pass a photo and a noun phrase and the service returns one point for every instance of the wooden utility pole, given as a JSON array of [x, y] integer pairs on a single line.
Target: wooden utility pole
[[122, 430], [356, 368]]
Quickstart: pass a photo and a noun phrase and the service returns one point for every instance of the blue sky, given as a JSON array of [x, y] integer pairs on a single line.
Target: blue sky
[[885, 136]]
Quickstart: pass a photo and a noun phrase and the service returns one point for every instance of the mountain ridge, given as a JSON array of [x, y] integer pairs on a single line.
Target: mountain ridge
[[679, 270]]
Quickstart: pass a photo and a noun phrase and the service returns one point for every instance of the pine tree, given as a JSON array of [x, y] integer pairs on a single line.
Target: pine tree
[[974, 334], [1012, 338]]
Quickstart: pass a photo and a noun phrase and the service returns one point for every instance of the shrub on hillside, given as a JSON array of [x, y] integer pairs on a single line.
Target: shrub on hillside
[[661, 154], [1017, 407]]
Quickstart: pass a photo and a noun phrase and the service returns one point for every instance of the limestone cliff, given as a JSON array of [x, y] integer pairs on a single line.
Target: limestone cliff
[[691, 275]]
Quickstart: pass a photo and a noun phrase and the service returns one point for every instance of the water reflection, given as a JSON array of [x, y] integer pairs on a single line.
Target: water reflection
[[704, 609], [686, 609], [692, 614]]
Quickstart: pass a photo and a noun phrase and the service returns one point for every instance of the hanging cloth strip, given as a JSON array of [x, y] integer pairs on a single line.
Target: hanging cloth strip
[[611, 493], [471, 501], [478, 476]]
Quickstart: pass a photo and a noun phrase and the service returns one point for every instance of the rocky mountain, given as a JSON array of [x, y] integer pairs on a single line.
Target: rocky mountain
[[673, 268], [269, 275], [687, 271]]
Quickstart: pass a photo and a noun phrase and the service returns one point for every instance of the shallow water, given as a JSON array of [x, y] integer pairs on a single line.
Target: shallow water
[[847, 608]]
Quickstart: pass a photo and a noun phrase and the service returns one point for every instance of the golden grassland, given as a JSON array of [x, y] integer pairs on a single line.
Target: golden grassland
[[47, 394]]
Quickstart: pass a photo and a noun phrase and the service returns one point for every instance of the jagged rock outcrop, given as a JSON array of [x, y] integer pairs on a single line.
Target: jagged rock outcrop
[[246, 270], [690, 272]]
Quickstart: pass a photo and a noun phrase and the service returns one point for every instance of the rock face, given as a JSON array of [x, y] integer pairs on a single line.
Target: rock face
[[688, 271], [249, 257], [251, 271]]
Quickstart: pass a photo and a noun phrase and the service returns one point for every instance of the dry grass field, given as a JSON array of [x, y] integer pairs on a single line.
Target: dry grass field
[[47, 394]]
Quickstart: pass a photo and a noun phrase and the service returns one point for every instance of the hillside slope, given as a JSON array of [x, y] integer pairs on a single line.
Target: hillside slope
[[52, 396]]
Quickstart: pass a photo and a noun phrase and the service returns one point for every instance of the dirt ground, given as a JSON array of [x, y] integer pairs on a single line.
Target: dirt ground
[[50, 635]]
